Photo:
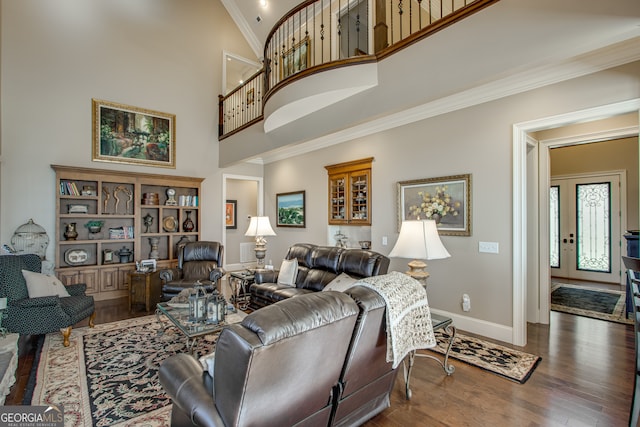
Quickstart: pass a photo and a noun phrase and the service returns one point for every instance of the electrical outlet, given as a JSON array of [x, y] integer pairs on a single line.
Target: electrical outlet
[[384, 240], [488, 247], [466, 302]]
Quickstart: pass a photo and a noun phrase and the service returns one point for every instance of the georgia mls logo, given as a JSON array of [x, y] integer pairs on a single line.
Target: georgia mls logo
[[32, 416]]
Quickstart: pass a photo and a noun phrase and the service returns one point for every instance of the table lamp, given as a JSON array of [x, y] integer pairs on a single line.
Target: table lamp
[[419, 240], [260, 227]]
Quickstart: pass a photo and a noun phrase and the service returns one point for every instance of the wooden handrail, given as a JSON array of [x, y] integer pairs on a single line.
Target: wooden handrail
[[291, 54]]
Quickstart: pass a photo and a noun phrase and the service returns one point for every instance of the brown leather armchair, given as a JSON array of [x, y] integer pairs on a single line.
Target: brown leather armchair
[[197, 261], [271, 370]]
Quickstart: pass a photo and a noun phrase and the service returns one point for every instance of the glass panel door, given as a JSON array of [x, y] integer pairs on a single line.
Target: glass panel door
[[585, 228], [594, 227]]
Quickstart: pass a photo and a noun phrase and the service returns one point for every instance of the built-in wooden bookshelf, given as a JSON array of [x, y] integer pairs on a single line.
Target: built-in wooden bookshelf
[[138, 216]]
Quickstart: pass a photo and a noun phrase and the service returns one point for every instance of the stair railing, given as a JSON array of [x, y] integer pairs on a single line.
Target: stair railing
[[318, 35]]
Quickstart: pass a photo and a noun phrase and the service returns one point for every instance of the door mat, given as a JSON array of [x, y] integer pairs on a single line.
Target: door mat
[[603, 304]]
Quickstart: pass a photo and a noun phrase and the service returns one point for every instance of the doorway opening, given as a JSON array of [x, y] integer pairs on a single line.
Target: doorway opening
[[246, 193], [531, 274]]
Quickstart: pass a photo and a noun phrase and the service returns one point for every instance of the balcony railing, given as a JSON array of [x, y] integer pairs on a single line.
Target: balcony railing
[[323, 34]]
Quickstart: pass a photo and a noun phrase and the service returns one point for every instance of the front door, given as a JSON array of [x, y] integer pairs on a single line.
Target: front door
[[585, 228]]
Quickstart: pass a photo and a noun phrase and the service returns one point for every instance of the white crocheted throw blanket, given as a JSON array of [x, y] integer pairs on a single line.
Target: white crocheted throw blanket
[[408, 315]]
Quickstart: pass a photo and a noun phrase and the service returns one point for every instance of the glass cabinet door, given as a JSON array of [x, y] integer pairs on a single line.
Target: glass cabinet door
[[337, 198], [359, 189]]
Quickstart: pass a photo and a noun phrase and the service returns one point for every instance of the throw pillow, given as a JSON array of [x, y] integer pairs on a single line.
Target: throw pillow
[[207, 361], [41, 285], [288, 272], [341, 283]]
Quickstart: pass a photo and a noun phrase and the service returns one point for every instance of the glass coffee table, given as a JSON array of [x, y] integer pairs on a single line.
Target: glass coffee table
[[178, 316]]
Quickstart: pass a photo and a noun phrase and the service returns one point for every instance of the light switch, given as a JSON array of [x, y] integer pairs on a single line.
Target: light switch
[[488, 247]]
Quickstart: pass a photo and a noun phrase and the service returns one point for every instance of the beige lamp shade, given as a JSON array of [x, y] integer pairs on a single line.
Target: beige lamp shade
[[259, 226], [419, 240]]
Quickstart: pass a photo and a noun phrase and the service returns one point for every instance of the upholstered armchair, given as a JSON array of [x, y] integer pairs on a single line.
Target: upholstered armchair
[[41, 314], [197, 261]]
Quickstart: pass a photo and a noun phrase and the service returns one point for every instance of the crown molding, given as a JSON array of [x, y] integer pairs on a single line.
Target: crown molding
[[532, 78], [244, 27]]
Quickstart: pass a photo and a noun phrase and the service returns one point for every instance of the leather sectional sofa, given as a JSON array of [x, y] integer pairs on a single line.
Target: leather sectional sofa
[[315, 360], [317, 267]]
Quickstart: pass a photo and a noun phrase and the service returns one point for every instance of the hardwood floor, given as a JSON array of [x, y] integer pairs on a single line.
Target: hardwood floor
[[585, 378]]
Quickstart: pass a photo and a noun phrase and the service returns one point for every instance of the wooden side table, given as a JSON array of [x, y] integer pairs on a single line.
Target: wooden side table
[[144, 288], [240, 282]]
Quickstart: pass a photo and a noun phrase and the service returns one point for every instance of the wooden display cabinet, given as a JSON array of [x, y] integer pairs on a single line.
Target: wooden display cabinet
[[350, 192], [133, 220]]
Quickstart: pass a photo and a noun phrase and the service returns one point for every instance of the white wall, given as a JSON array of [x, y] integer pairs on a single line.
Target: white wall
[[163, 55], [476, 140], [246, 194]]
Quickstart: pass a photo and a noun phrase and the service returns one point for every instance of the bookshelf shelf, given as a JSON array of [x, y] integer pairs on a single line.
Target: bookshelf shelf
[[119, 200]]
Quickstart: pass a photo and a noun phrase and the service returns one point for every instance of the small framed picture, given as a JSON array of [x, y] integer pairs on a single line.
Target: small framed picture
[[231, 214], [291, 209], [107, 256], [148, 265]]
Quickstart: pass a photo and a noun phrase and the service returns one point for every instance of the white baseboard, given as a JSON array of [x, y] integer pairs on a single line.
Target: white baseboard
[[481, 327]]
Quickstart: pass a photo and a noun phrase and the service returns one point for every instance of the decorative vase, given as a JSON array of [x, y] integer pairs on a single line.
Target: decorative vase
[[188, 224], [436, 217], [153, 242], [125, 254], [70, 232]]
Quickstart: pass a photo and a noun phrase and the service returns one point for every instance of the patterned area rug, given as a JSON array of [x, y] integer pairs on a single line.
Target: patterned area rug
[[506, 362], [108, 375], [601, 304]]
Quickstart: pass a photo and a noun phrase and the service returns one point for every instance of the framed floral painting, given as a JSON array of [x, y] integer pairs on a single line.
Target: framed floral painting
[[447, 200]]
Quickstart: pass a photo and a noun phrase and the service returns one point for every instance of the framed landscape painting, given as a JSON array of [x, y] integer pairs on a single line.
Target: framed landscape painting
[[125, 134], [447, 200], [290, 209]]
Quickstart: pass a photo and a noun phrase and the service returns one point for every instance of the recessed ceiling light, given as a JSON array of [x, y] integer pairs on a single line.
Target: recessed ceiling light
[[263, 3]]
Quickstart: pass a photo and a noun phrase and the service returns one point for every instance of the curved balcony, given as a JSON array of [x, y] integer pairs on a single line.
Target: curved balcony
[[331, 35]]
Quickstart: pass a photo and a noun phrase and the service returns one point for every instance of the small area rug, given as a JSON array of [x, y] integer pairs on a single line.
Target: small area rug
[[108, 376], [601, 304], [506, 362]]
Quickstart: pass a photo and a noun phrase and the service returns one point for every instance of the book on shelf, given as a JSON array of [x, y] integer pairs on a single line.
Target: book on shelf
[[125, 232]]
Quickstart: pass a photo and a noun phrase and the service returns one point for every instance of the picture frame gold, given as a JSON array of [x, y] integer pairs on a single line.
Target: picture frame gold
[[125, 134], [296, 59], [251, 96], [446, 199]]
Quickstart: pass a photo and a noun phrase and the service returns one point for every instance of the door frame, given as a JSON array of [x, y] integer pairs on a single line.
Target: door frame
[[260, 201], [622, 177], [520, 261]]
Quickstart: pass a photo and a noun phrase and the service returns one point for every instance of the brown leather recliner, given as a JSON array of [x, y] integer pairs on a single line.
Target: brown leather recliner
[[197, 261], [367, 379], [317, 267], [273, 369]]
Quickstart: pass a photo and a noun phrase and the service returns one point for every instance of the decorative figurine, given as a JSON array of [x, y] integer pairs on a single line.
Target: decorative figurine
[[148, 220], [171, 197]]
